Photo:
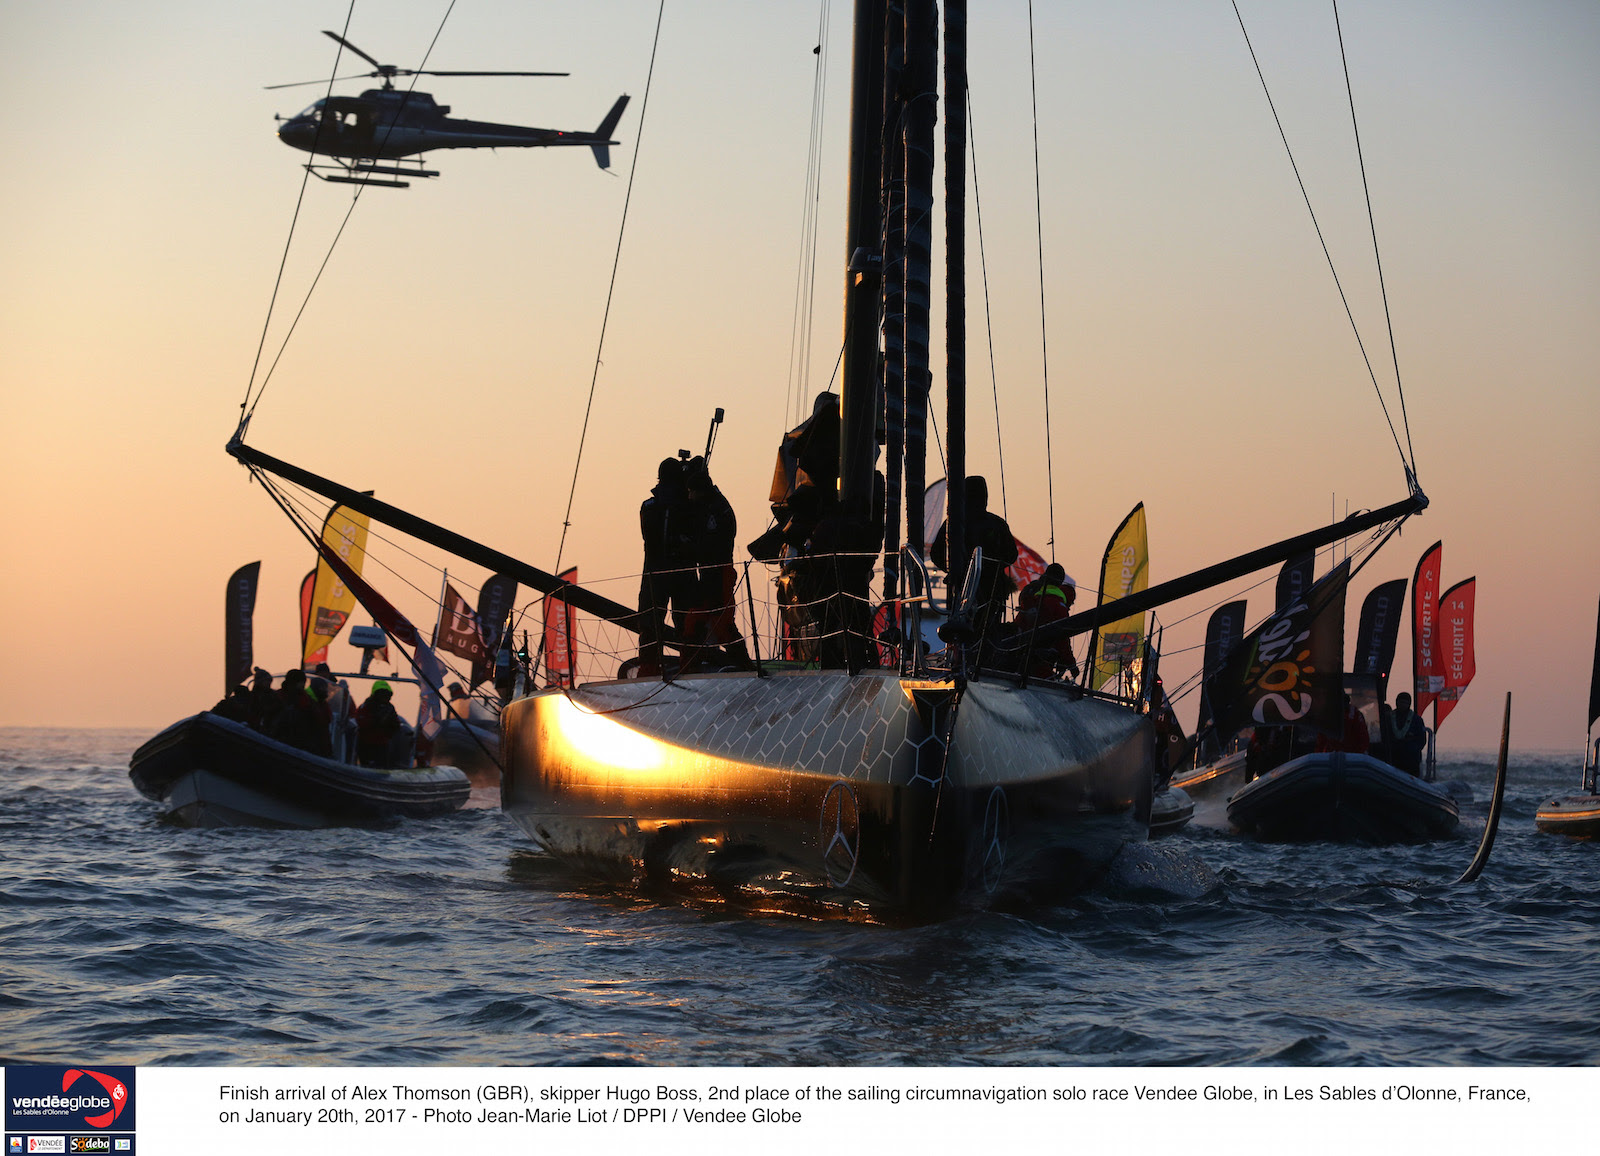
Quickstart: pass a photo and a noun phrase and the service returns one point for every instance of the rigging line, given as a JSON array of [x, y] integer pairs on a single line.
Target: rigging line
[[805, 289], [305, 530], [616, 261], [1044, 337], [250, 407], [1372, 224], [988, 313], [283, 262], [1405, 464]]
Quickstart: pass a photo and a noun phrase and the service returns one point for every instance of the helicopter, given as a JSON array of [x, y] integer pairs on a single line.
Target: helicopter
[[355, 133]]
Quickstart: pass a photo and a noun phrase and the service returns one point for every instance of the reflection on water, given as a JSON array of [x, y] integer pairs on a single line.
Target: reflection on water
[[453, 941]]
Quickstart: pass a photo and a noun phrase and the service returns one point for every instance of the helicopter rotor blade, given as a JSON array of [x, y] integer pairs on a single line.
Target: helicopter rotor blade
[[324, 80], [436, 72], [370, 60]]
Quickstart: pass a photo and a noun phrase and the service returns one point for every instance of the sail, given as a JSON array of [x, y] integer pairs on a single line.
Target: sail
[[238, 633], [1427, 671], [344, 532], [1295, 578], [1456, 656], [558, 635], [1290, 669], [1379, 631], [1125, 570]]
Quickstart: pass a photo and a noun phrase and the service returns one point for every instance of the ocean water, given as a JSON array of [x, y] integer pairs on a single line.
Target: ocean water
[[454, 942]]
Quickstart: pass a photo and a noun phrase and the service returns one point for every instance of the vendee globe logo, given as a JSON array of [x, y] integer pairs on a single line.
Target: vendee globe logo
[[61, 1099]]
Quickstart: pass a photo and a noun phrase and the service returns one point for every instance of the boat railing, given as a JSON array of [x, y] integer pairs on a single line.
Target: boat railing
[[796, 614]]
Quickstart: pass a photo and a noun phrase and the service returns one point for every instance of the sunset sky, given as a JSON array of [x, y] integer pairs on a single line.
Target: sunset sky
[[1200, 359]]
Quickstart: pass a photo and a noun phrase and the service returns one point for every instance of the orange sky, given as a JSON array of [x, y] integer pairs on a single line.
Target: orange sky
[[1200, 360]]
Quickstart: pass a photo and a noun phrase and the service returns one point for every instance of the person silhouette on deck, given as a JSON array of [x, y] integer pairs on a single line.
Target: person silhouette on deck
[[666, 525]]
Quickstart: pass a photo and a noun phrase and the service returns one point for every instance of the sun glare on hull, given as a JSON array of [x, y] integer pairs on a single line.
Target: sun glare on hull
[[604, 741]]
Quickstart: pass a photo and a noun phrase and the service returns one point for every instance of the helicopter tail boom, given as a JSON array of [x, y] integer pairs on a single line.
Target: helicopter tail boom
[[602, 151]]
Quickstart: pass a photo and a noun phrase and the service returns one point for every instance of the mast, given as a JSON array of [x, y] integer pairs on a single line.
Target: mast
[[955, 285], [894, 300], [921, 113], [858, 394]]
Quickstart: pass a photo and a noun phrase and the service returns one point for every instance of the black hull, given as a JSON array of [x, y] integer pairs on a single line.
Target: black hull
[[1342, 798], [212, 772], [1577, 816], [832, 788]]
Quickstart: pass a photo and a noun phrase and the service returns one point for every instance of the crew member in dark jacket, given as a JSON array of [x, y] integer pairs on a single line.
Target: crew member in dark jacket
[[666, 525], [990, 533], [1407, 736], [377, 724], [711, 624]]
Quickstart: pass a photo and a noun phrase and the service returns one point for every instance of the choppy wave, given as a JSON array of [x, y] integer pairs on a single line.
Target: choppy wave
[[452, 941]]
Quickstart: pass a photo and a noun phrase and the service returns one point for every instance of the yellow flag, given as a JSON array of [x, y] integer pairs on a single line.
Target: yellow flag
[[345, 533], [1125, 571]]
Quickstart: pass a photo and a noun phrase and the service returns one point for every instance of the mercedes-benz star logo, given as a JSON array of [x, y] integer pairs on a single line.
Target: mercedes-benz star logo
[[839, 833]]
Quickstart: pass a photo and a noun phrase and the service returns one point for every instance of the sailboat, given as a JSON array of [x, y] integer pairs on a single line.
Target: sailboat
[[1579, 815], [910, 787]]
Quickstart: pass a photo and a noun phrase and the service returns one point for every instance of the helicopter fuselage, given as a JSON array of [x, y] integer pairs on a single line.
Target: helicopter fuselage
[[385, 124]]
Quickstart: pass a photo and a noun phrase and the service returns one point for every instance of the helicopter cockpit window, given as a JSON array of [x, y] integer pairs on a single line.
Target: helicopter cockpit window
[[312, 110]]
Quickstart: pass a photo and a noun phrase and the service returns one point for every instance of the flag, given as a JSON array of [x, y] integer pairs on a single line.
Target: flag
[[1290, 669], [1379, 631], [1425, 667], [1295, 578], [396, 625], [344, 536], [307, 585], [496, 599], [1223, 632], [1456, 657], [558, 634], [238, 636], [1028, 567], [1125, 570], [458, 630]]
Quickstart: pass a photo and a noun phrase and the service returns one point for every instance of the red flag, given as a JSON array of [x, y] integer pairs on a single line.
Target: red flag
[[558, 634], [1455, 646], [308, 585], [1028, 567], [1425, 664]]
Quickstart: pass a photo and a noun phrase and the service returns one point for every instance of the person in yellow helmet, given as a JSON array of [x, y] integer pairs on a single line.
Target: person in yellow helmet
[[377, 723]]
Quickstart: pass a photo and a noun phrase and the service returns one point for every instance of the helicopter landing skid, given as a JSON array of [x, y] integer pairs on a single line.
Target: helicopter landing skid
[[365, 173]]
